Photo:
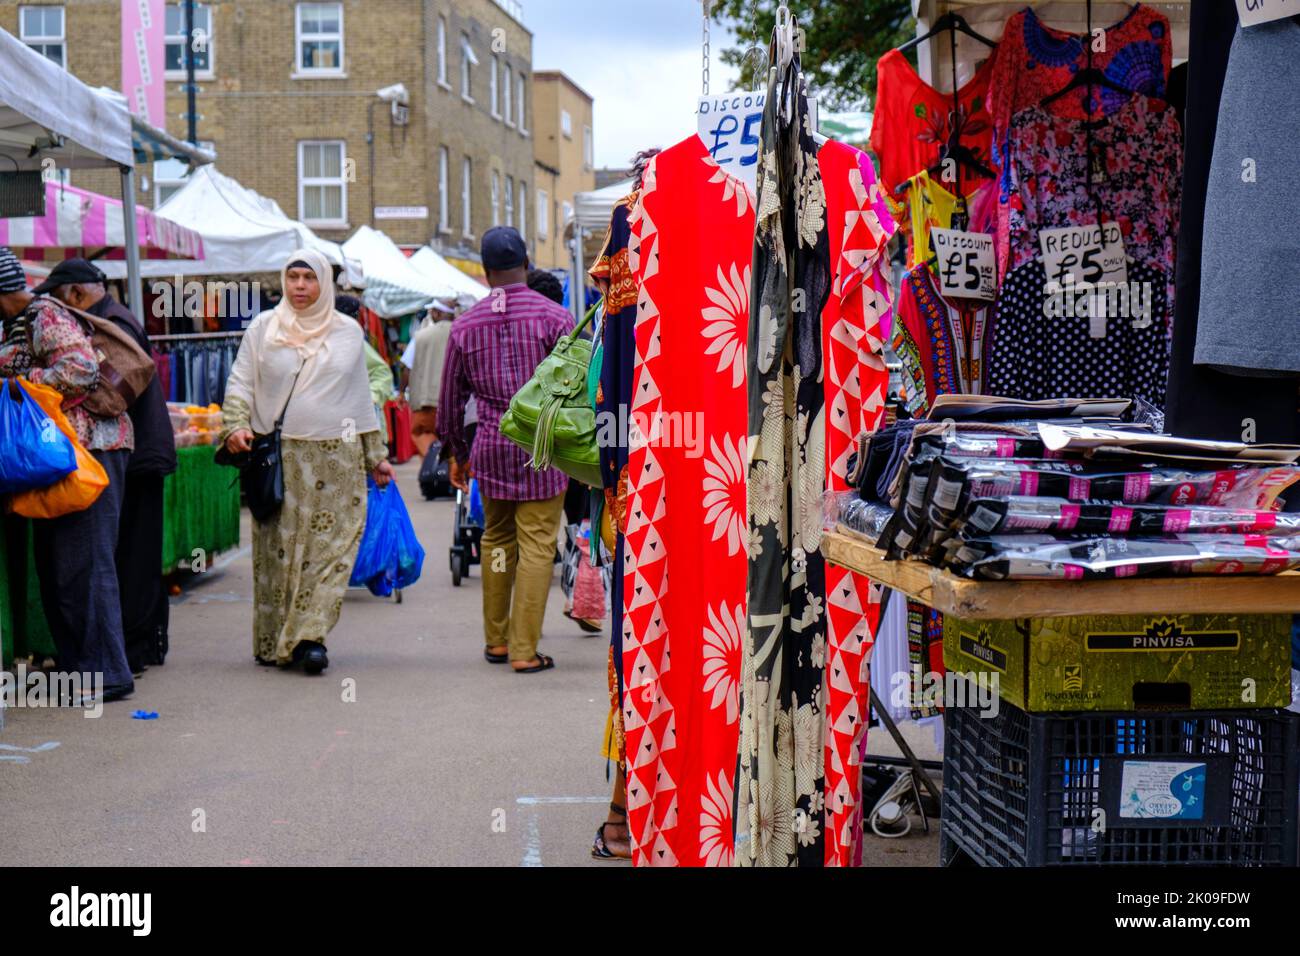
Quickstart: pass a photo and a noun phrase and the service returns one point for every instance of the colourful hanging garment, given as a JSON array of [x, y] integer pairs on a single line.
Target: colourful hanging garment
[[779, 794], [854, 329], [685, 545]]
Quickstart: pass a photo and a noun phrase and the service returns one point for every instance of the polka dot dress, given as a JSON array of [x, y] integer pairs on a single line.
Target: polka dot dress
[[1041, 350]]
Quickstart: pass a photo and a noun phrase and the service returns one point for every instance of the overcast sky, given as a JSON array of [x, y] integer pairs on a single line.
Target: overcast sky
[[642, 67]]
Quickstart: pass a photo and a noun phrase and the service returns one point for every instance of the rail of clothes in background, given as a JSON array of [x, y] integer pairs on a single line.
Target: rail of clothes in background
[[194, 369], [1048, 133]]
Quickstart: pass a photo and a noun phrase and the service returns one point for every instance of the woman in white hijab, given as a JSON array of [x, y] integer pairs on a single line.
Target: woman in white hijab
[[305, 360]]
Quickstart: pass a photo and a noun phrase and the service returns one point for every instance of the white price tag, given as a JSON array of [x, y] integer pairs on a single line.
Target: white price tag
[[965, 264], [729, 125], [1253, 12], [1091, 254], [1084, 258]]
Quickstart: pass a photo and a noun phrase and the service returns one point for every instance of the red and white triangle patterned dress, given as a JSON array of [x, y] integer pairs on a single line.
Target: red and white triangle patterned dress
[[685, 555]]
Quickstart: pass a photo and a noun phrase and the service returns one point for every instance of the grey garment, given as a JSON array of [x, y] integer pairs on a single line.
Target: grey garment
[[430, 357], [1250, 283], [77, 566]]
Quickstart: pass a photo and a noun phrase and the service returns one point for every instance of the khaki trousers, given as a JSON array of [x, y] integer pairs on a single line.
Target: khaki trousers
[[518, 557]]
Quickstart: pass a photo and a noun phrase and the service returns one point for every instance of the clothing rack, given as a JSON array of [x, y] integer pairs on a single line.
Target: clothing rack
[[194, 368]]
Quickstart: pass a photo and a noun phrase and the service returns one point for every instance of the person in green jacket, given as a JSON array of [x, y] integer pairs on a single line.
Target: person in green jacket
[[381, 376]]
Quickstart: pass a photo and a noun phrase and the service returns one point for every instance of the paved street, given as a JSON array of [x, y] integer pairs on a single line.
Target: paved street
[[442, 759]]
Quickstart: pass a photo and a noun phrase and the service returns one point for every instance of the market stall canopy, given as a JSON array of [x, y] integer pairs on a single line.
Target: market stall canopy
[[594, 209], [468, 290], [47, 113], [243, 232], [394, 287], [86, 224]]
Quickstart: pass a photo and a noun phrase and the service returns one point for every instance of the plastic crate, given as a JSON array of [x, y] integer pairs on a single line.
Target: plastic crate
[[1025, 789]]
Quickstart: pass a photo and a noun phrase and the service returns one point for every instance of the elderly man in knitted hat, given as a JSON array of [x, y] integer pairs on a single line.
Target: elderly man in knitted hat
[[75, 554]]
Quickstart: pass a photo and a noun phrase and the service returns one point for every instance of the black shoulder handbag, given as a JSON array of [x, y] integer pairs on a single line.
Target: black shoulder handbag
[[261, 470]]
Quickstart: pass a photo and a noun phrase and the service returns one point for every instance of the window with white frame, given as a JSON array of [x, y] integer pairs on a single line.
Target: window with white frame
[[444, 171], [588, 148], [496, 198], [199, 43], [442, 50], [322, 185], [521, 103], [169, 175], [494, 91], [566, 124], [320, 38], [466, 213], [507, 92], [510, 202], [543, 215], [468, 60], [42, 29], [523, 211], [566, 209]]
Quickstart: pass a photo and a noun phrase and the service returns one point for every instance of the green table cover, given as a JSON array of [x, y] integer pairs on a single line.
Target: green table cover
[[200, 511], [201, 506], [23, 628]]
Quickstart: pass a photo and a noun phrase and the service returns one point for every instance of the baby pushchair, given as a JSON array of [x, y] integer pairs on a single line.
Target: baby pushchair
[[467, 533]]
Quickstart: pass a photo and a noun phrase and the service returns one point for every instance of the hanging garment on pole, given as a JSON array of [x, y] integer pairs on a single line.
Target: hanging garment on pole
[[1269, 404], [1249, 280], [684, 571], [1034, 60], [779, 794], [1046, 341], [912, 120], [855, 324], [614, 392]]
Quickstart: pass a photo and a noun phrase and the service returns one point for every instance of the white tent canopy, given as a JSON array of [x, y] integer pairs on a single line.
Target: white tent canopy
[[38, 98], [428, 263], [243, 232], [594, 209], [394, 287]]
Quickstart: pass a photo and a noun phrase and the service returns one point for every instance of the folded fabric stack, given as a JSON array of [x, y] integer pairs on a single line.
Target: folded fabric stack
[[1071, 496]]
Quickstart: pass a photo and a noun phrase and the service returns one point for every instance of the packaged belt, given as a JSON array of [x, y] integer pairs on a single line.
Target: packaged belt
[[1043, 557], [1020, 513]]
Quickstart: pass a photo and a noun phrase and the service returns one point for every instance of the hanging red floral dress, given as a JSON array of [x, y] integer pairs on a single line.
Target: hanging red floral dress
[[854, 329], [686, 541]]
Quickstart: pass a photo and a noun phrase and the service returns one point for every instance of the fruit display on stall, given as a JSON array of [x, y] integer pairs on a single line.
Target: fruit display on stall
[[195, 424]]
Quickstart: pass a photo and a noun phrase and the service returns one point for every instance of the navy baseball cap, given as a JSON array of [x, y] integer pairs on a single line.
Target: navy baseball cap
[[70, 271], [503, 248]]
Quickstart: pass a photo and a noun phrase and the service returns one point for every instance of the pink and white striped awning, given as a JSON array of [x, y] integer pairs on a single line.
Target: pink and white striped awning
[[86, 224]]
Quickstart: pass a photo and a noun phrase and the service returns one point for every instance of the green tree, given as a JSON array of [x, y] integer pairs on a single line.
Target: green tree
[[843, 39]]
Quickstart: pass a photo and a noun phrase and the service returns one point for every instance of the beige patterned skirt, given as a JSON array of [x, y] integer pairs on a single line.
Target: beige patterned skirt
[[303, 558]]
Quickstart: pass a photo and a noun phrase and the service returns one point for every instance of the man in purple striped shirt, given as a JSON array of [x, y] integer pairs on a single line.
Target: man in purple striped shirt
[[494, 350]]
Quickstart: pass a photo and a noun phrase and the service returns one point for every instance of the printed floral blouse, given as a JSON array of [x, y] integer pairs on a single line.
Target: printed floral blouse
[[1135, 179], [48, 346]]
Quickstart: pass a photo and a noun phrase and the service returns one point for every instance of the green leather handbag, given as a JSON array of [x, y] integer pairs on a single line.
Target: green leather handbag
[[552, 417]]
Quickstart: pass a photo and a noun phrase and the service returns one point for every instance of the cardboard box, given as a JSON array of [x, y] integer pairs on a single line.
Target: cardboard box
[[1105, 662]]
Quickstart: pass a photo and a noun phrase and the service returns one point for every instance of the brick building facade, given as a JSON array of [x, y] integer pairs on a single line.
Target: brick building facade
[[288, 100], [565, 161]]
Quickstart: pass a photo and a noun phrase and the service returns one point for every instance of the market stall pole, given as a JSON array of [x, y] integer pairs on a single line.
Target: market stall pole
[[149, 144]]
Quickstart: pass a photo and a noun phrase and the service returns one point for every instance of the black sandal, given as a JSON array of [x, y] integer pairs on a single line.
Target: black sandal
[[599, 849], [544, 663], [496, 658]]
